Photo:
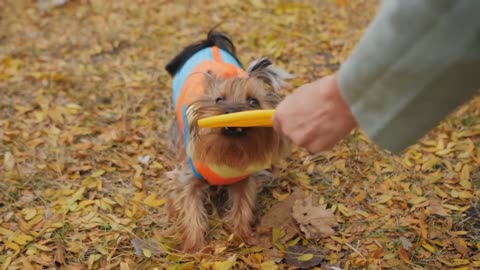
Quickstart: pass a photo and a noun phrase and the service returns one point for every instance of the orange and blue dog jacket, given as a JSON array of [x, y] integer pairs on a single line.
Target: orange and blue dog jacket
[[188, 86]]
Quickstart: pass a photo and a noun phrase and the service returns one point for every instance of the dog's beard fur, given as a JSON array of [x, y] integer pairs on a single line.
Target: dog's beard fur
[[213, 146], [185, 194]]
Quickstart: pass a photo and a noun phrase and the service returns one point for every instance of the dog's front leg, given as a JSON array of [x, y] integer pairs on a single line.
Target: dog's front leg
[[240, 216], [188, 203]]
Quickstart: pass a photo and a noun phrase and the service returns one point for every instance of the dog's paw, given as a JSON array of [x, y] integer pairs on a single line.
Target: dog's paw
[[192, 246], [243, 232]]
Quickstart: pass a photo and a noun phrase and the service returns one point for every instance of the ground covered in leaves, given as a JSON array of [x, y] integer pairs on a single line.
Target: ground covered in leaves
[[85, 102]]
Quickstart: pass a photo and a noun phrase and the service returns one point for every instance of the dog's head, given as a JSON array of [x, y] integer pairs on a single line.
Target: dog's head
[[234, 146]]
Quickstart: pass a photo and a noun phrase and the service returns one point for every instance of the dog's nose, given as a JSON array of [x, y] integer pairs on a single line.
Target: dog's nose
[[233, 131], [231, 110]]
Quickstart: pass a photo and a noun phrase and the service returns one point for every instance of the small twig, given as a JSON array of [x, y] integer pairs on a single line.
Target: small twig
[[356, 251]]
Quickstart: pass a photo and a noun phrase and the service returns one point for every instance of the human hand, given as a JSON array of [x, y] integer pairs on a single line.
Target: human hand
[[315, 116]]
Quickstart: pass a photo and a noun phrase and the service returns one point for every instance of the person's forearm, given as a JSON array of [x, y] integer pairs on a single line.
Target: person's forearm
[[417, 61]]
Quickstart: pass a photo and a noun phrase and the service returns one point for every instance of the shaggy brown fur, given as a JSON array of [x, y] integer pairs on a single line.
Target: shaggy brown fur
[[186, 195]]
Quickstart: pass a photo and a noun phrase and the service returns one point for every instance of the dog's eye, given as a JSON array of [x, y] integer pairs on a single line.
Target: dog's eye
[[253, 101], [219, 100]]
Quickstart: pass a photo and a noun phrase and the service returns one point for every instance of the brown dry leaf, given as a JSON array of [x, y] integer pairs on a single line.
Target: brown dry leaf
[[315, 221], [59, 251], [435, 207], [8, 161], [403, 254], [278, 217], [461, 246]]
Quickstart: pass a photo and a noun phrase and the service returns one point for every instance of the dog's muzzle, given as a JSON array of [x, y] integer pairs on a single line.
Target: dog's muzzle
[[234, 131]]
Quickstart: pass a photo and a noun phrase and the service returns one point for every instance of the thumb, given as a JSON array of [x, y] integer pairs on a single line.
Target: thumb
[[277, 125]]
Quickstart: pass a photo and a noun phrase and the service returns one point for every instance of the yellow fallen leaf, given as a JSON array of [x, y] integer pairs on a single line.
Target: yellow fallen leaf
[[337, 239], [268, 265], [29, 213], [461, 246], [34, 221], [417, 200], [12, 246], [332, 247], [101, 249], [26, 265], [55, 115], [8, 161], [42, 247], [336, 182], [92, 259], [72, 108], [219, 250], [465, 174], [103, 205], [466, 184], [22, 239], [152, 201], [137, 178], [458, 262], [277, 234], [7, 263], [108, 201], [465, 194], [305, 257], [223, 265], [362, 213], [440, 192], [407, 162], [5, 232], [84, 203], [428, 247], [418, 190], [279, 196], [124, 266], [384, 198], [428, 165], [98, 173], [293, 242], [444, 152], [444, 261], [146, 252], [42, 260], [344, 210], [465, 180]]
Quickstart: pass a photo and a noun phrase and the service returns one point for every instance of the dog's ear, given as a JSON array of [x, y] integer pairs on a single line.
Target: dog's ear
[[211, 82], [264, 70]]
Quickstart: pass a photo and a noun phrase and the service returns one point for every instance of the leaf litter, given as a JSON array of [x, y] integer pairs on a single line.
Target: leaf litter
[[85, 106]]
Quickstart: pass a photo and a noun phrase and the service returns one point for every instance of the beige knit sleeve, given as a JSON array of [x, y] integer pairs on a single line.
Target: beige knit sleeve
[[417, 62]]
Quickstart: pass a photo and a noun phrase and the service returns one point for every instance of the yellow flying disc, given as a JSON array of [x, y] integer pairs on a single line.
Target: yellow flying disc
[[253, 118]]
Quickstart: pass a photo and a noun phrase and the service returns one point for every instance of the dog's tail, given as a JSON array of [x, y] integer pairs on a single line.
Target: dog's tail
[[213, 39]]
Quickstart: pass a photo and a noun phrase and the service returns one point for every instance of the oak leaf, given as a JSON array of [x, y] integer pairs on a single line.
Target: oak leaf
[[278, 219], [314, 221]]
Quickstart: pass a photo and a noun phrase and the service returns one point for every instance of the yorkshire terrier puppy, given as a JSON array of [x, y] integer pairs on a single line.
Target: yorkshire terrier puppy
[[208, 80]]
